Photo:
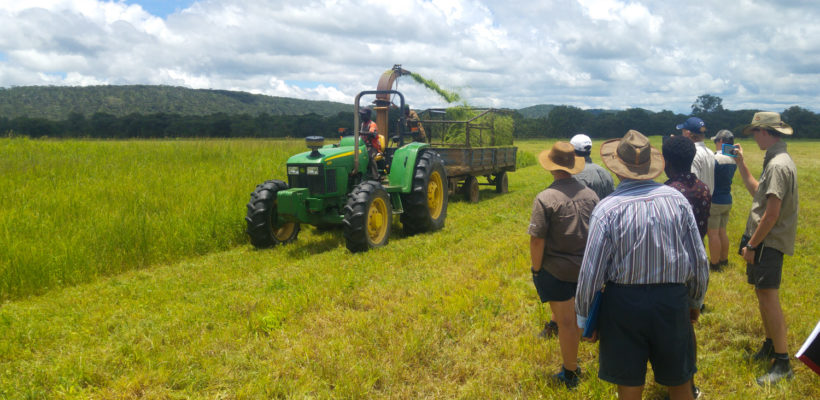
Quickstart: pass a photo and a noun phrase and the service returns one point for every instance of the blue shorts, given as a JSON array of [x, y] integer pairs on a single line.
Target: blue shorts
[[640, 323]]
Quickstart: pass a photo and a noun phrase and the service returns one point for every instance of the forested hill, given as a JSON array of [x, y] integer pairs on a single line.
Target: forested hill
[[57, 102], [536, 111]]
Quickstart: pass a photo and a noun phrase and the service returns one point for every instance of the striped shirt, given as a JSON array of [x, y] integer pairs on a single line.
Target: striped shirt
[[643, 233]]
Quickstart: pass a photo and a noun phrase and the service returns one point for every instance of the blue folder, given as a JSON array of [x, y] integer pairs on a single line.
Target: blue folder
[[592, 317]]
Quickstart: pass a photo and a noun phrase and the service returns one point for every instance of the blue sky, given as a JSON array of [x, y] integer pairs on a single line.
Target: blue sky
[[162, 8], [612, 54]]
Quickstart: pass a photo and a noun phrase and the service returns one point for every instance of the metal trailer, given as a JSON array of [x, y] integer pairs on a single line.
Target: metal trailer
[[465, 162]]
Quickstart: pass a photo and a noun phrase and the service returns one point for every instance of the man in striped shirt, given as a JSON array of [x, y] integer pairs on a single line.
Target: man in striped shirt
[[644, 245]]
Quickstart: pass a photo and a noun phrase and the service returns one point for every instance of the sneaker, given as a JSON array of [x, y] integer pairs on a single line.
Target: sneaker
[[550, 330], [723, 263], [781, 369], [765, 353], [570, 379], [716, 267]]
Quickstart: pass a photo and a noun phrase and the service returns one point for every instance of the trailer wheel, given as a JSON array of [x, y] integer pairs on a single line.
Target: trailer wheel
[[367, 217], [501, 182], [425, 207], [469, 189], [264, 227]]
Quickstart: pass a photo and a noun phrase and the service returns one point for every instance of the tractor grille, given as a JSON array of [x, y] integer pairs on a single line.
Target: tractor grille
[[316, 184]]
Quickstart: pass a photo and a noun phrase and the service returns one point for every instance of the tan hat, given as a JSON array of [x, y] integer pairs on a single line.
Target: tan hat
[[561, 157], [632, 157], [768, 120]]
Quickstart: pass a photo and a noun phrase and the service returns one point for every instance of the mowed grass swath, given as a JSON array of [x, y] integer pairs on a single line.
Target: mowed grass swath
[[74, 210], [450, 314]]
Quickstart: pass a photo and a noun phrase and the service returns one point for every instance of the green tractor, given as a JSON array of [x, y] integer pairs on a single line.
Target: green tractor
[[355, 184]]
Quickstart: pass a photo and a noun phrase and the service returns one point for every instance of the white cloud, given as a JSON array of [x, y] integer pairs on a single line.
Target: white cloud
[[515, 53]]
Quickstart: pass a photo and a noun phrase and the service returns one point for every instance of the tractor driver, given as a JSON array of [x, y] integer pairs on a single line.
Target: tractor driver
[[370, 130]]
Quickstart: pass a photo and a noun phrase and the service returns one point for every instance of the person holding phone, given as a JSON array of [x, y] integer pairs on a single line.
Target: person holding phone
[[770, 233], [725, 168]]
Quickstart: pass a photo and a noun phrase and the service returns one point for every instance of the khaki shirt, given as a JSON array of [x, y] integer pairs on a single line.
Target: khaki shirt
[[779, 178], [560, 215]]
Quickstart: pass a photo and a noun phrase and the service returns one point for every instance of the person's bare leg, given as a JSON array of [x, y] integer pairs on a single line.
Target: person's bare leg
[[724, 244], [568, 333], [681, 392], [775, 321], [763, 317], [714, 245], [629, 392]]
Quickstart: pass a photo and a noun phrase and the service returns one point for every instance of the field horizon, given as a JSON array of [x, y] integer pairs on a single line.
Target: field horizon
[[201, 314]]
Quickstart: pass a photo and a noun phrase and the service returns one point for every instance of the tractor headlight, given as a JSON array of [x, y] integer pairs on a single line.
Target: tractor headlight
[[293, 170], [313, 170]]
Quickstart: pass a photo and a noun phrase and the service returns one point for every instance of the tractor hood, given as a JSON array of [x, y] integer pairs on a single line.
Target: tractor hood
[[331, 155]]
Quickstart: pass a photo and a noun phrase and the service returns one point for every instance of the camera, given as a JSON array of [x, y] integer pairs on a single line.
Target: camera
[[729, 150]]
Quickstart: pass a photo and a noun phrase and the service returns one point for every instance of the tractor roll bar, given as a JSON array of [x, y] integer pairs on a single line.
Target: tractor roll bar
[[356, 122]]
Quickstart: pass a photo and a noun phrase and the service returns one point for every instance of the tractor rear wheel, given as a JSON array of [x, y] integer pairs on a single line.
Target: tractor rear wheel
[[264, 227], [425, 207], [367, 217]]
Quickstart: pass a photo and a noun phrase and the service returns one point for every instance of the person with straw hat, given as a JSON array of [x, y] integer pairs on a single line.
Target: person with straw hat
[[645, 251], [770, 233], [558, 233]]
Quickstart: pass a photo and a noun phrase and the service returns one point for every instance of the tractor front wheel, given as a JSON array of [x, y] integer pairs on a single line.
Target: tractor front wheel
[[367, 217], [264, 227]]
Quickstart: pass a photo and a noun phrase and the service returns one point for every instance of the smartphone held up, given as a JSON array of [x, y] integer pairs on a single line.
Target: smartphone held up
[[729, 150]]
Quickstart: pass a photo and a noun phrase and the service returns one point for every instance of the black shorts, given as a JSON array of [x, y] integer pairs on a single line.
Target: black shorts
[[643, 323], [551, 288], [767, 272]]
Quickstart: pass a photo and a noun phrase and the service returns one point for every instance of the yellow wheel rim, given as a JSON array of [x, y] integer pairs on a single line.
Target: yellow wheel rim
[[435, 195], [284, 232], [377, 220]]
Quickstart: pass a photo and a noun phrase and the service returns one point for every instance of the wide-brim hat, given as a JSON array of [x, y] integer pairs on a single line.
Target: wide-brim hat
[[632, 157], [768, 120], [561, 157]]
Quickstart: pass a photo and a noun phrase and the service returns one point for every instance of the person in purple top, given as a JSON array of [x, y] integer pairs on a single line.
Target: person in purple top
[[678, 152]]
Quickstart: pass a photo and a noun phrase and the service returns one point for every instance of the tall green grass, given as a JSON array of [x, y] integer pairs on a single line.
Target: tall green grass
[[74, 210]]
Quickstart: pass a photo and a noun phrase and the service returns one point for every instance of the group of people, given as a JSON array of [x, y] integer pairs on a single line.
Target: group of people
[[641, 245]]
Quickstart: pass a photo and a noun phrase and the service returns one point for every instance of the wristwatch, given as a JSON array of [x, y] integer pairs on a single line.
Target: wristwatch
[[750, 247]]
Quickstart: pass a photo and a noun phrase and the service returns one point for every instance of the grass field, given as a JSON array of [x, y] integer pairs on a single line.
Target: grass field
[[125, 275]]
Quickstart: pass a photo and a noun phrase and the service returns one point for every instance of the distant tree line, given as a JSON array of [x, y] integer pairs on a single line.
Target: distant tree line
[[221, 125], [562, 122]]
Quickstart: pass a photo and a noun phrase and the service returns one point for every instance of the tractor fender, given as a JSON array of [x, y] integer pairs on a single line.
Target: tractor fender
[[403, 165]]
